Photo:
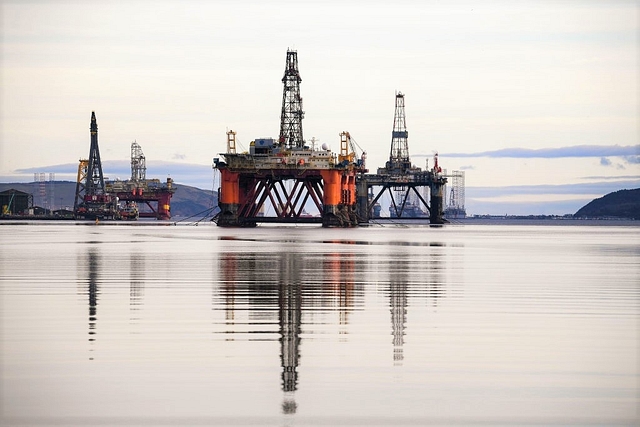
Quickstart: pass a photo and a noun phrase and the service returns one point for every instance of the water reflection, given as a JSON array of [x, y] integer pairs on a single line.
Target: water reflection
[[287, 283], [398, 302], [416, 274], [339, 270], [136, 284], [290, 319], [94, 267]]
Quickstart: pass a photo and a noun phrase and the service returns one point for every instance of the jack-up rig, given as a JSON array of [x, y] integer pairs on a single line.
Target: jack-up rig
[[97, 198], [286, 174]]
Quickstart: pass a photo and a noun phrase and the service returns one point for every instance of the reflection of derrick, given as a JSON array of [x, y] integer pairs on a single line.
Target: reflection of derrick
[[273, 285], [290, 316], [93, 291], [398, 306]]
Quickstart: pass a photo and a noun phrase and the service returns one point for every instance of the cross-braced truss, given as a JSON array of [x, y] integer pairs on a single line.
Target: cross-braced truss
[[400, 196], [287, 197]]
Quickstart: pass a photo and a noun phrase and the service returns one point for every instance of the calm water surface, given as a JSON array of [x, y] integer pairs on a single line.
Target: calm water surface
[[147, 324]]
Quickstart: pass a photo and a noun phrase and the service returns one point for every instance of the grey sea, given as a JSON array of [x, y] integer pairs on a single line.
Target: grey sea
[[142, 324]]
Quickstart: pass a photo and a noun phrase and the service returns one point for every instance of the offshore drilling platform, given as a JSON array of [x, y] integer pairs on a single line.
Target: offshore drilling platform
[[97, 198], [403, 182], [286, 174]]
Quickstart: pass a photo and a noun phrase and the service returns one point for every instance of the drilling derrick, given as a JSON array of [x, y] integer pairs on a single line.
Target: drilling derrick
[[138, 163], [92, 201], [284, 176], [399, 157], [455, 207], [291, 115]]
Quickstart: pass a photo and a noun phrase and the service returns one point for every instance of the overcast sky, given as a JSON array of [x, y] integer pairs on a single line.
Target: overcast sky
[[516, 93]]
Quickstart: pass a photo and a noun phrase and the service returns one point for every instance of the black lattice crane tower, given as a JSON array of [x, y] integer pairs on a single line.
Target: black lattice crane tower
[[92, 201], [399, 157], [292, 114], [95, 178]]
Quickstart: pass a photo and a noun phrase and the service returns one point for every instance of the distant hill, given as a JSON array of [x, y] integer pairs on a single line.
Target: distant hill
[[619, 204], [186, 201]]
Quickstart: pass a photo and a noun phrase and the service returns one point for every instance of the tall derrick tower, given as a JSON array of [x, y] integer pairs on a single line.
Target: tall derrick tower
[[92, 201], [399, 157], [138, 163], [95, 178], [291, 114]]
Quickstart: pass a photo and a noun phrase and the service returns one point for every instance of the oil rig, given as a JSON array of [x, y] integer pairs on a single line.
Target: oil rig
[[139, 190], [286, 173], [97, 198], [405, 183]]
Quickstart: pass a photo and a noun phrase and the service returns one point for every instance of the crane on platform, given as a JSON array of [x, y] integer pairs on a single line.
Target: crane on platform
[[92, 201]]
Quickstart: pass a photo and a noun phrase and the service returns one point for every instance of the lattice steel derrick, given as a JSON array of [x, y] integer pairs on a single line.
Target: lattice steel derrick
[[292, 114], [95, 178], [399, 156], [138, 163]]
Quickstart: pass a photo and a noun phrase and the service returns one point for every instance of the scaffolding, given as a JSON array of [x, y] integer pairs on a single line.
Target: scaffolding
[[455, 206]]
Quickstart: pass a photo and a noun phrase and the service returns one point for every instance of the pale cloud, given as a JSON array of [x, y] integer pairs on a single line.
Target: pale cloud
[[632, 159], [558, 152]]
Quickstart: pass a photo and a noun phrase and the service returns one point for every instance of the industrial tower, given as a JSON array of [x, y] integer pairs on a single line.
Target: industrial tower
[[291, 114], [399, 157], [92, 201], [138, 163], [455, 207], [95, 178]]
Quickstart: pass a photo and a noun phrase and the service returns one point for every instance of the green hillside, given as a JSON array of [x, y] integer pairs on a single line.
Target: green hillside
[[620, 204], [186, 201]]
